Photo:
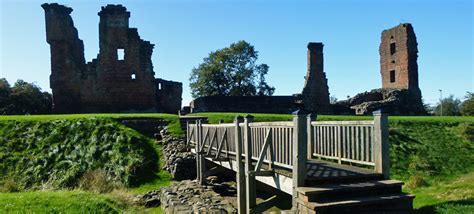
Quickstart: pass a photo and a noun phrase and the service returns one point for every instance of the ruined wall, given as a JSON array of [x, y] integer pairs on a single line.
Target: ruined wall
[[248, 104], [316, 91], [398, 58], [400, 93], [120, 79], [67, 58], [169, 95]]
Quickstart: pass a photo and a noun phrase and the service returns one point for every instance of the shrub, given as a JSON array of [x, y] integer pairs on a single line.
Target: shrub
[[9, 185], [96, 181]]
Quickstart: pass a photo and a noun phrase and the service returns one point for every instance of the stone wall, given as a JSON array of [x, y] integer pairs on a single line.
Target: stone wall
[[398, 58], [248, 104], [316, 91], [120, 79], [169, 95], [392, 101]]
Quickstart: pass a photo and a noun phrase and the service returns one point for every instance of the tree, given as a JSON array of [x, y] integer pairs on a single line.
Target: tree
[[4, 96], [231, 71], [23, 98], [467, 107], [449, 106]]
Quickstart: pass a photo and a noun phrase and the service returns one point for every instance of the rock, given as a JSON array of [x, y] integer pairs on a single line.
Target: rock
[[189, 197]]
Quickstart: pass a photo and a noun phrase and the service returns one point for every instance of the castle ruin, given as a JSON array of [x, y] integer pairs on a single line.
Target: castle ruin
[[120, 79], [400, 93], [315, 94]]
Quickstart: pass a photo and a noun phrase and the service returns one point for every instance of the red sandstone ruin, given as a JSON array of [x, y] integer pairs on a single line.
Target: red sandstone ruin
[[120, 79]]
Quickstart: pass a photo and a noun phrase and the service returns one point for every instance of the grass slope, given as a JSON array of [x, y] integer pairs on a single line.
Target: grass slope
[[56, 153]]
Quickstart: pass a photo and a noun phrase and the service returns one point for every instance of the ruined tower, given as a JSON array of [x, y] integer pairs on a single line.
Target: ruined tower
[[120, 79], [316, 91], [400, 94], [67, 58], [123, 67], [398, 58]]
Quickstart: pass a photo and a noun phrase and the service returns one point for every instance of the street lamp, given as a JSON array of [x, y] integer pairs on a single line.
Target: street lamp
[[441, 100]]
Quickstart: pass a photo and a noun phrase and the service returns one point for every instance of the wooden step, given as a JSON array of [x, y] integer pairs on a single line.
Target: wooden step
[[396, 203], [316, 181], [346, 190]]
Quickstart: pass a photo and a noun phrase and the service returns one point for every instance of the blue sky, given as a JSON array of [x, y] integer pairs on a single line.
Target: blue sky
[[184, 32]]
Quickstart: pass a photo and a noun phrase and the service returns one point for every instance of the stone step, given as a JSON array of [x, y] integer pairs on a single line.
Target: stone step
[[387, 203], [330, 191]]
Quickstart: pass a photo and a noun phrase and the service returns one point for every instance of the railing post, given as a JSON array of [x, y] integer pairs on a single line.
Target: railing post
[[310, 118], [198, 142], [381, 147], [250, 183], [300, 150], [200, 157], [240, 178]]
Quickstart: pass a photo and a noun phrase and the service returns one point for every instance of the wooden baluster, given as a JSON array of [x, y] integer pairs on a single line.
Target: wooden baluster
[[310, 118]]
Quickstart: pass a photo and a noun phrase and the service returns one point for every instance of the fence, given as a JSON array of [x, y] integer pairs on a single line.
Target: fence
[[289, 145]]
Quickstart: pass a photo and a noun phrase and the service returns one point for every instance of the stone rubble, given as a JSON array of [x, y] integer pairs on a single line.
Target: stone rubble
[[187, 197], [179, 160]]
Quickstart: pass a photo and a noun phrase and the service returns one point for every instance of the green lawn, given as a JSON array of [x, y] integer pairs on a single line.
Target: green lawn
[[60, 202]]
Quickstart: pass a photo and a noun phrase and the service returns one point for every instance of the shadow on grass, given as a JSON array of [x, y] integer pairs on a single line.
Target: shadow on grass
[[147, 171], [459, 206]]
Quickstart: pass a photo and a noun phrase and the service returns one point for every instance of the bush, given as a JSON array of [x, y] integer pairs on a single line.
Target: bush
[[9, 185], [96, 181]]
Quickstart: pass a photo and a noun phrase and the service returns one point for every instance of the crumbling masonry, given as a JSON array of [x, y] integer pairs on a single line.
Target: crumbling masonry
[[120, 79], [400, 94], [315, 94]]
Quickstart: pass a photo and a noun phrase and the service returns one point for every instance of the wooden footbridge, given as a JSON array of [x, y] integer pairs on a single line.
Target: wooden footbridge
[[327, 166]]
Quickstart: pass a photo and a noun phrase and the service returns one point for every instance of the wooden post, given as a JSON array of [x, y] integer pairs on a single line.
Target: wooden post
[[240, 178], [201, 159], [250, 183], [300, 150], [310, 118], [381, 147], [198, 142]]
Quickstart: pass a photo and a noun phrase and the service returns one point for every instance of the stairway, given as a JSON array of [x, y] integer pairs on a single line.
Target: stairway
[[372, 195]]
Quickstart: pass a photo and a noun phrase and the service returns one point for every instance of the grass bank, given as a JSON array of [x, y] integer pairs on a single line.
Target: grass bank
[[46, 159]]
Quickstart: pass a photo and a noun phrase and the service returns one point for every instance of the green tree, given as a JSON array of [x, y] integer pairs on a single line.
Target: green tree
[[231, 71], [467, 107], [4, 96], [27, 98], [449, 106]]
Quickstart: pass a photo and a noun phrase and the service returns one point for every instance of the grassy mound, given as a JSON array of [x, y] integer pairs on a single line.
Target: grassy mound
[[431, 149], [56, 153]]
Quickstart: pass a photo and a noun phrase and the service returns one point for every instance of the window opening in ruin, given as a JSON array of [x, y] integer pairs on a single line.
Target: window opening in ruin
[[392, 76], [120, 54], [159, 86], [393, 61], [133, 76], [393, 48]]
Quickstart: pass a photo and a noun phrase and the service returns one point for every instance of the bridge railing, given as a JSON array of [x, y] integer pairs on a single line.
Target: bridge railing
[[349, 142], [288, 145], [270, 141]]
